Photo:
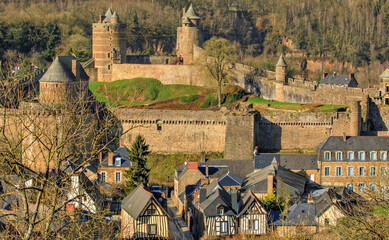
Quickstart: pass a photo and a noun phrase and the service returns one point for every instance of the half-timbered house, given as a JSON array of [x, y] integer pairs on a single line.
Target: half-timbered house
[[214, 211], [143, 217], [252, 216]]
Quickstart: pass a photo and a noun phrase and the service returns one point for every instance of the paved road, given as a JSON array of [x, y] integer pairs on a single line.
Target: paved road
[[178, 227]]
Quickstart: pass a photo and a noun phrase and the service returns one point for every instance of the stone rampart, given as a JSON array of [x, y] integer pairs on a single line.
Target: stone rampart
[[143, 59], [175, 131], [168, 74], [299, 130]]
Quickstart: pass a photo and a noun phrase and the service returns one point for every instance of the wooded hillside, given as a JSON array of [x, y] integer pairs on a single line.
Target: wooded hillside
[[348, 31]]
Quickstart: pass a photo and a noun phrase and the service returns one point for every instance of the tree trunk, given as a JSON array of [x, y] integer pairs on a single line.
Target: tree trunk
[[219, 93]]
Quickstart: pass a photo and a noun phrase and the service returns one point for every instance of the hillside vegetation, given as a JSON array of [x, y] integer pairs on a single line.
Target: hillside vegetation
[[351, 33]]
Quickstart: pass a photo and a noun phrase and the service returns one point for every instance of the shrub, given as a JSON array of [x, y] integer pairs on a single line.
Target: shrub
[[207, 101], [189, 99]]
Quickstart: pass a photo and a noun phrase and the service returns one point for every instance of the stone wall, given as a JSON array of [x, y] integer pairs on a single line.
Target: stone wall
[[168, 74], [174, 131], [305, 131], [143, 59]]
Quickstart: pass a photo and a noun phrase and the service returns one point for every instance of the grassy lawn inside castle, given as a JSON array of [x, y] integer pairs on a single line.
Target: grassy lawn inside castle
[[259, 103]]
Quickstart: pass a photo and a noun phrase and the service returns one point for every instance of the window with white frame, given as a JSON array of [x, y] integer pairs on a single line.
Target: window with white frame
[[384, 156], [327, 155], [383, 171], [373, 156], [339, 156], [351, 171], [103, 177], [118, 161], [361, 156], [350, 156], [361, 187], [326, 171], [362, 171], [118, 177], [223, 227], [338, 171], [372, 171]]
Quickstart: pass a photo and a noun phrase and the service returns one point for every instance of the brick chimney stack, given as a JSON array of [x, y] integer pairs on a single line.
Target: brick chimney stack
[[206, 170], [121, 144], [76, 69], [193, 165], [100, 157], [310, 198], [325, 75], [351, 75], [270, 180], [110, 159]]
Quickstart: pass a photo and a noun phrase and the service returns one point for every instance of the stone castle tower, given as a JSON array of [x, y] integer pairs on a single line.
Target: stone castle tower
[[188, 36], [64, 81], [109, 46], [281, 69]]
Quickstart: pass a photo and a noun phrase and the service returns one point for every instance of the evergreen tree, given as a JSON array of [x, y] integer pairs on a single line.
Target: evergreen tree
[[138, 172], [52, 43]]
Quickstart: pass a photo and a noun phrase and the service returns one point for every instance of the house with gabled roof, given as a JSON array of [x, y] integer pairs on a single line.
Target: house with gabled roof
[[214, 211], [143, 217], [230, 181], [252, 216], [339, 80], [111, 169]]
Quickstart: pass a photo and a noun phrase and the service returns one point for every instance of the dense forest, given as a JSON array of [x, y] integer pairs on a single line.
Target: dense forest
[[353, 32]]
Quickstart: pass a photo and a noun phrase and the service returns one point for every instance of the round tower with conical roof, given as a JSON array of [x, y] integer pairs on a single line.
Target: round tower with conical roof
[[188, 36], [281, 69], [109, 46]]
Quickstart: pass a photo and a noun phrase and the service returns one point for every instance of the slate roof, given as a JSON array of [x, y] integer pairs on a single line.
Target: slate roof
[[299, 213], [191, 14], [61, 71], [121, 153], [281, 62], [257, 181], [6, 189], [237, 167], [230, 179], [290, 161], [214, 170], [115, 15], [246, 202], [292, 179], [136, 201], [385, 74], [218, 198], [359, 143], [108, 15], [343, 80]]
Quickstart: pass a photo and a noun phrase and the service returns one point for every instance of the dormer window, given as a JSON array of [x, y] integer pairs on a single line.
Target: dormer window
[[118, 161], [220, 210], [327, 156]]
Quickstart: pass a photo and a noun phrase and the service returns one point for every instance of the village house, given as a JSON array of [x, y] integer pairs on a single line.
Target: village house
[[359, 163], [214, 211], [339, 80], [143, 217], [111, 169], [252, 216]]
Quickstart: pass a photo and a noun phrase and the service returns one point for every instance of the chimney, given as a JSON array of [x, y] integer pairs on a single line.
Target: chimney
[[183, 12], [193, 165], [206, 170], [270, 180], [234, 201], [325, 75], [121, 144], [110, 159], [203, 195], [351, 75], [202, 157], [344, 136], [310, 198], [100, 157], [76, 69]]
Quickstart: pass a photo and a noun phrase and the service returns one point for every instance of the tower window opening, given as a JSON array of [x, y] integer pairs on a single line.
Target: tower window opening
[[109, 55], [109, 67]]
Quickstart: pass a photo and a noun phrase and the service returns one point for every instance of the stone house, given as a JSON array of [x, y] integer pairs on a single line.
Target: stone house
[[339, 80], [111, 169], [143, 217], [303, 163], [359, 163]]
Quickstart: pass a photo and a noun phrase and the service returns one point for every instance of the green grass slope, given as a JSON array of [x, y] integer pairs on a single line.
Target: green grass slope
[[138, 91]]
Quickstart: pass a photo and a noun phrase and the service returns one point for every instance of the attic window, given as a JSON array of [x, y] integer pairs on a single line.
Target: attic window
[[118, 161], [220, 210], [151, 210]]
